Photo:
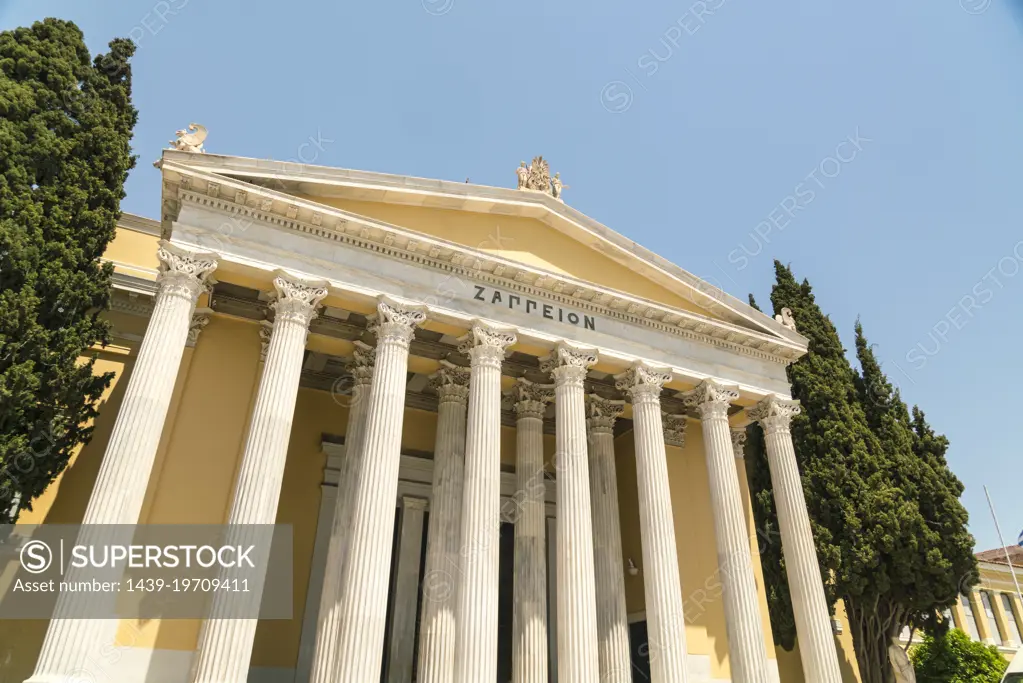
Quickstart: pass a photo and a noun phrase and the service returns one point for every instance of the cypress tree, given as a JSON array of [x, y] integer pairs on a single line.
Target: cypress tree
[[66, 123], [889, 529], [930, 558]]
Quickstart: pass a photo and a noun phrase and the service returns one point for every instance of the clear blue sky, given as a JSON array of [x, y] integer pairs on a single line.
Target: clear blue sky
[[683, 126]]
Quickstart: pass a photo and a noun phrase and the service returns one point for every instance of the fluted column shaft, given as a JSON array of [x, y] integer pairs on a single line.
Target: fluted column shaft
[[746, 646], [368, 563], [612, 617], [437, 632], [71, 645], [809, 605], [479, 543], [577, 607], [661, 582], [529, 618], [225, 642], [328, 623]]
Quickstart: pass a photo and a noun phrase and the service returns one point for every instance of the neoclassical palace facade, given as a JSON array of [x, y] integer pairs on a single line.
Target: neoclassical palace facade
[[508, 441]]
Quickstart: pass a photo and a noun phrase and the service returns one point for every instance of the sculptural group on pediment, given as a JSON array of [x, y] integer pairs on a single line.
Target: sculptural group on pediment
[[537, 177]]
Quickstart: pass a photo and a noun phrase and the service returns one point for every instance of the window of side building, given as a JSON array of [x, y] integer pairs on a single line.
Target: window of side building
[[1010, 616], [971, 619], [992, 623]]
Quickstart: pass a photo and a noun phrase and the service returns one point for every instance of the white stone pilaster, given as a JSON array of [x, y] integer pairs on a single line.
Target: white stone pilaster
[[529, 620], [328, 623], [612, 617], [405, 591], [225, 641], [479, 543], [367, 566], [577, 608], [661, 582], [809, 605], [437, 632], [117, 496], [746, 646]]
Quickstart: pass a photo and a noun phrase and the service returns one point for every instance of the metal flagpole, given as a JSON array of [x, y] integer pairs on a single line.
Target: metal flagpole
[[1005, 549]]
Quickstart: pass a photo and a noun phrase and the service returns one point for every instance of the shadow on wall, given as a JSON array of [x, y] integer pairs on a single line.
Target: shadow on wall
[[21, 640], [790, 667]]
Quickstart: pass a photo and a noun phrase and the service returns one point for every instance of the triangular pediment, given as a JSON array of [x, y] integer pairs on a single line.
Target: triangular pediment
[[525, 235]]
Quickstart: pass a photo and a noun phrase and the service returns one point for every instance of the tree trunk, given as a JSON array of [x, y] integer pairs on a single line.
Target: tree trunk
[[872, 628]]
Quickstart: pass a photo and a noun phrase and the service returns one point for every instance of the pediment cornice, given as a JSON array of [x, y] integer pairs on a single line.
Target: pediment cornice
[[187, 185]]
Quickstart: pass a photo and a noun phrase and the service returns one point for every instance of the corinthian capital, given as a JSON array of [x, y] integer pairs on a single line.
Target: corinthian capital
[[530, 399], [642, 382], [200, 319], [602, 412], [710, 399], [568, 363], [360, 365], [674, 429], [485, 344], [183, 272], [774, 413], [739, 441], [295, 298], [395, 322], [451, 383]]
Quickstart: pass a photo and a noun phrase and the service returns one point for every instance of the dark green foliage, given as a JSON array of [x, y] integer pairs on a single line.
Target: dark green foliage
[[954, 658], [889, 528], [65, 128]]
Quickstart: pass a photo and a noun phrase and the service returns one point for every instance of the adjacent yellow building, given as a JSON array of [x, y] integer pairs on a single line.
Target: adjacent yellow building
[[991, 613], [388, 365]]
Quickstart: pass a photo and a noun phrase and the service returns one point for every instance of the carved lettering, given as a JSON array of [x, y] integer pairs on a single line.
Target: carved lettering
[[515, 301]]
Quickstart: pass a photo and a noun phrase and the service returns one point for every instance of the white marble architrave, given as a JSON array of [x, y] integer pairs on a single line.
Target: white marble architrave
[[577, 611], [662, 585], [329, 616], [437, 632], [612, 617], [479, 543], [746, 645], [225, 641], [809, 605], [529, 618], [71, 645], [365, 573]]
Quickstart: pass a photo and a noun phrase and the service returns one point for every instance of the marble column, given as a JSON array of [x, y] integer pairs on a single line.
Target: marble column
[[405, 590], [225, 641], [662, 585], [440, 579], [529, 619], [328, 621], [71, 644], [368, 562], [613, 650], [479, 541], [746, 647], [809, 606], [577, 601]]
